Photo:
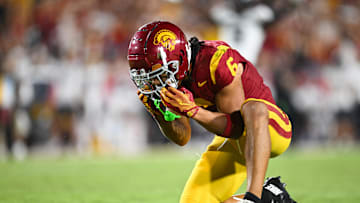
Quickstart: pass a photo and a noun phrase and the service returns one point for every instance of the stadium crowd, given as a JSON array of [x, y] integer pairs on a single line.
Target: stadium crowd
[[64, 75]]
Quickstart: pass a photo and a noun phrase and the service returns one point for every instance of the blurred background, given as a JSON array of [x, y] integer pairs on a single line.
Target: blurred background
[[65, 86]]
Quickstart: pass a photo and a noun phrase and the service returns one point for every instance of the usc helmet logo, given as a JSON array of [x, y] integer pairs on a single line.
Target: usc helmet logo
[[166, 38]]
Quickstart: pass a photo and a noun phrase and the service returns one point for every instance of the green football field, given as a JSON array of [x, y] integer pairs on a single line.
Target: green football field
[[320, 176]]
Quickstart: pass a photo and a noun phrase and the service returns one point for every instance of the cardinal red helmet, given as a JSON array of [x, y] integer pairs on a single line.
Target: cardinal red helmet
[[159, 52]]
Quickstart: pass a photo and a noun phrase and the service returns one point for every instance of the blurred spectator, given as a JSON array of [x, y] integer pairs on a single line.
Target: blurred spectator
[[64, 74], [7, 106]]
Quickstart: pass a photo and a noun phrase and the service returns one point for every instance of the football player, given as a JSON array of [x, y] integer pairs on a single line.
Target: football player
[[213, 84]]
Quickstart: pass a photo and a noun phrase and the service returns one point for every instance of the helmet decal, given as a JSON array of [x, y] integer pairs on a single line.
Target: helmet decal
[[166, 38]]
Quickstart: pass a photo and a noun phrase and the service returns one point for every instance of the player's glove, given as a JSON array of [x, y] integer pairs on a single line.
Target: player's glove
[[156, 107], [181, 101], [149, 104], [274, 191]]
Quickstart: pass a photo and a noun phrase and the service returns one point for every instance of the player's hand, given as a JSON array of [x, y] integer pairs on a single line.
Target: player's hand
[[181, 101], [148, 103]]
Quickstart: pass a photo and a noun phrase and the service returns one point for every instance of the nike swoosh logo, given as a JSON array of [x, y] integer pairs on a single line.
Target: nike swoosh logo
[[200, 84]]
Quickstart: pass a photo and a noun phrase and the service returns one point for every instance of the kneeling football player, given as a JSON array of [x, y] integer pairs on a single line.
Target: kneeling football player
[[213, 84]]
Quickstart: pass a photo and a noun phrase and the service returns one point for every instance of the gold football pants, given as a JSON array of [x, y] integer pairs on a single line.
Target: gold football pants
[[221, 169]]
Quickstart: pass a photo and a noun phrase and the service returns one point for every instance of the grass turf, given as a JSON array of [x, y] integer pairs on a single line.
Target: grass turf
[[316, 176]]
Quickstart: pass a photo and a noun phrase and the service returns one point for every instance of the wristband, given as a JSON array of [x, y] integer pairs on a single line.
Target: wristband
[[228, 127], [190, 113], [234, 125]]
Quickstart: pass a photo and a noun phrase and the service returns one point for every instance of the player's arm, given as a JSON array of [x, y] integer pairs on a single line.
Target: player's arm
[[178, 131], [229, 101], [226, 77], [179, 101]]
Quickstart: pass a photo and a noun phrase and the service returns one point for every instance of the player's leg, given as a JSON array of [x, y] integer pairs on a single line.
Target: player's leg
[[258, 144], [217, 175], [280, 129]]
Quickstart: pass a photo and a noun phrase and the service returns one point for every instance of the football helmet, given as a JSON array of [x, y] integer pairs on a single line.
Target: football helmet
[[159, 55]]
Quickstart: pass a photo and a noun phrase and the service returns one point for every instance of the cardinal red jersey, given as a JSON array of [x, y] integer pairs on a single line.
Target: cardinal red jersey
[[215, 67]]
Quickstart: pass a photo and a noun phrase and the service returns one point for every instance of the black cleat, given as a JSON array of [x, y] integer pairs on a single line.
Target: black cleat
[[274, 191]]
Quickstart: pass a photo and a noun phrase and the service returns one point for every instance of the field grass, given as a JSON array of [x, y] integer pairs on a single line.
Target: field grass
[[321, 176]]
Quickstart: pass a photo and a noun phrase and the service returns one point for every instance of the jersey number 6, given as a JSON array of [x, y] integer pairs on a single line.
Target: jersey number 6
[[232, 67]]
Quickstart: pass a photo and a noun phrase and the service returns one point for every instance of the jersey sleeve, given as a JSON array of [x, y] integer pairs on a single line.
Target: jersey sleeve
[[225, 70]]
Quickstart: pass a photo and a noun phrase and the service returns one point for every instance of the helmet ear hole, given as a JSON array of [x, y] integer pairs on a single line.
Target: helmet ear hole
[[171, 67]]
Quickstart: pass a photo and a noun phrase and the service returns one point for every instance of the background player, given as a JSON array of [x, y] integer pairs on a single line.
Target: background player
[[213, 84]]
